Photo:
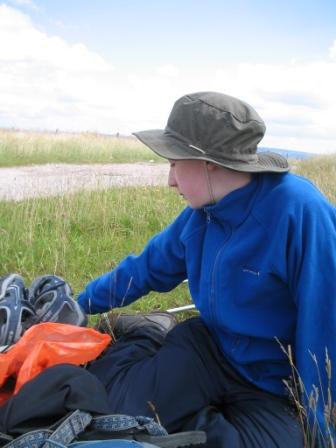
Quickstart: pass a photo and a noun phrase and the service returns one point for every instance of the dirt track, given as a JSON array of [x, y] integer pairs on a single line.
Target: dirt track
[[57, 179]]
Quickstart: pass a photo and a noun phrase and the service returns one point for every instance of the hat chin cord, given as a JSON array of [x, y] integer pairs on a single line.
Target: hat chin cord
[[208, 180]]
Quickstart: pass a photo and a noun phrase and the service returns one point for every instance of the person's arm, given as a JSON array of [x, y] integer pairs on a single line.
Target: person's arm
[[312, 280], [160, 267]]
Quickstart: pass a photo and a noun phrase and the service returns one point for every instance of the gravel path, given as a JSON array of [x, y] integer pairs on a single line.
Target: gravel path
[[57, 179]]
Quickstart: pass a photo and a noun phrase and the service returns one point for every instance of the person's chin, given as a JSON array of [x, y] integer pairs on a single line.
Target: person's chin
[[191, 204]]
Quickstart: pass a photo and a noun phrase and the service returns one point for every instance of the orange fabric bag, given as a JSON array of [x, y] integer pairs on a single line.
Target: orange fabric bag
[[45, 345]]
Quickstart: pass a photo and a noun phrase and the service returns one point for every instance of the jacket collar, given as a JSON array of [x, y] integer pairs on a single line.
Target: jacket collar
[[235, 207]]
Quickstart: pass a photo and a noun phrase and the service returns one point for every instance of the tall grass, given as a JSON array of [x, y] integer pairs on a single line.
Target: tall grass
[[307, 403], [83, 235], [322, 171], [18, 148]]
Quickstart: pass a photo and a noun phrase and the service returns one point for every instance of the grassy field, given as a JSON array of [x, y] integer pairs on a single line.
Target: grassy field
[[322, 171], [81, 236], [18, 148]]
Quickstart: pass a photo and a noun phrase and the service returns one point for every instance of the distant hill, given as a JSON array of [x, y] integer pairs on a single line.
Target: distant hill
[[288, 153]]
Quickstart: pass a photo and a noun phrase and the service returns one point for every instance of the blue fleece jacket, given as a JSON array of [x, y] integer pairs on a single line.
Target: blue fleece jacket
[[261, 266]]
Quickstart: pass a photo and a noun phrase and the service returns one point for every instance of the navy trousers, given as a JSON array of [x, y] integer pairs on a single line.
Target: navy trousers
[[185, 379]]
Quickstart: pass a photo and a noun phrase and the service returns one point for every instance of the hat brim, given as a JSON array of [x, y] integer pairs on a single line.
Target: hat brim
[[170, 148]]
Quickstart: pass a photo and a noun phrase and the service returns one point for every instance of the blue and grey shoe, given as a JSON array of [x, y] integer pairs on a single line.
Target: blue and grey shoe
[[52, 299], [16, 313]]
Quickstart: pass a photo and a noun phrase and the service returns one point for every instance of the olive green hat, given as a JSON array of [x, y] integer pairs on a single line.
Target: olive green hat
[[217, 128]]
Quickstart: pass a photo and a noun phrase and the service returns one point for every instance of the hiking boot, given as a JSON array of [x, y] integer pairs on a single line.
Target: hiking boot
[[117, 324]]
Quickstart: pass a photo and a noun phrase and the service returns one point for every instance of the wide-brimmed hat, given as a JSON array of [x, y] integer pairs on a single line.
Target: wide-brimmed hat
[[217, 128]]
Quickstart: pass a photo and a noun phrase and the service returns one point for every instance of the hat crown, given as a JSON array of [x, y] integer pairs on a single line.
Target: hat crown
[[216, 123]]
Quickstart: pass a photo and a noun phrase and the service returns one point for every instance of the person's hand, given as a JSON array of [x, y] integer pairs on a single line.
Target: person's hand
[[95, 297], [84, 300]]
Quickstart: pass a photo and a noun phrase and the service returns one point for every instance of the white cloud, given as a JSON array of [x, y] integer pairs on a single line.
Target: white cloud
[[47, 83], [44, 80], [297, 101], [22, 43]]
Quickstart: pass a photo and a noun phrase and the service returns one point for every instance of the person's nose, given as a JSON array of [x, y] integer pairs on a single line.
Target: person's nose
[[171, 178]]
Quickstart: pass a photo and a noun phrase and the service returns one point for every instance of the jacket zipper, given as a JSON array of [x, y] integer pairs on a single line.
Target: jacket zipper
[[213, 275]]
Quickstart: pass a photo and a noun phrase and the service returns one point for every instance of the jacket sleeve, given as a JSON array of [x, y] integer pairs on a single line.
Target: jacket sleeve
[[312, 280], [160, 267]]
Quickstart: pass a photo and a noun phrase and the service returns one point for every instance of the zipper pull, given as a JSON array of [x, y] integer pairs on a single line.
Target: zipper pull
[[208, 217]]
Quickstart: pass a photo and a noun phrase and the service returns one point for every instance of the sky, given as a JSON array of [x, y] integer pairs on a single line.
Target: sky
[[118, 66]]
